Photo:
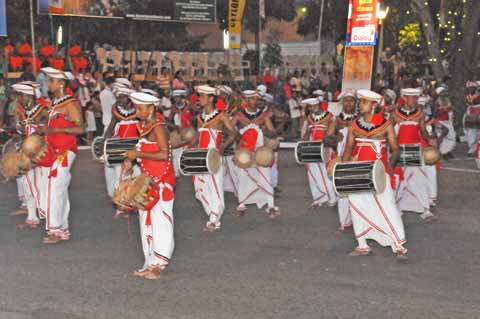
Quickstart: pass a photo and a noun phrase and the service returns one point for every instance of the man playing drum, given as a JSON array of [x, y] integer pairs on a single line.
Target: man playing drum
[[65, 122], [413, 190], [472, 127], [209, 188], [337, 136], [123, 125], [320, 185], [254, 183], [31, 111], [374, 216], [153, 154]]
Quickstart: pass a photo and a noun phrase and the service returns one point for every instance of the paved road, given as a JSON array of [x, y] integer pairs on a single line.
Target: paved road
[[294, 267]]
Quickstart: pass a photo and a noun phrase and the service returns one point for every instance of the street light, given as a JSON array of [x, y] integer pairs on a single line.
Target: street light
[[381, 15]]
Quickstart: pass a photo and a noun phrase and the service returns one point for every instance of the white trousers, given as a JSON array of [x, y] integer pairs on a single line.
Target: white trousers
[[57, 201], [255, 187], [275, 170], [321, 186], [112, 174], [156, 231], [472, 136], [344, 215], [449, 142], [413, 194], [230, 180], [377, 217], [209, 191], [20, 190], [32, 194], [431, 171]]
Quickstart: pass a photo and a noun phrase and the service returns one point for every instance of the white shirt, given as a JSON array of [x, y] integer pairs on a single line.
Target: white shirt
[[107, 100]]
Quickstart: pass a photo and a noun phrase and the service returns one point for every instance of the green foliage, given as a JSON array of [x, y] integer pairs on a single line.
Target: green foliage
[[410, 35], [273, 52]]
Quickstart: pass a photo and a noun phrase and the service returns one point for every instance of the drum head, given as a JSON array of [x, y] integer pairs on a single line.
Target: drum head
[[32, 145], [175, 137], [431, 155], [272, 143], [296, 154], [379, 177], [97, 148], [333, 179], [214, 161], [243, 158], [264, 156], [187, 134]]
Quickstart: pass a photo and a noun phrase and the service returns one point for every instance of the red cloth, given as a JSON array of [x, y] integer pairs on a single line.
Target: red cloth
[[16, 62], [36, 63], [249, 139], [318, 134], [47, 50], [127, 130], [75, 50], [288, 91], [268, 80], [79, 64], [61, 141], [221, 105], [409, 134], [9, 49], [25, 49], [204, 139]]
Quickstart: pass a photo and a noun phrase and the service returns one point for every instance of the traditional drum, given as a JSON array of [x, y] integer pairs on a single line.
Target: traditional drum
[[38, 150], [15, 164], [264, 156], [187, 134], [200, 161], [175, 138], [431, 155], [243, 158], [472, 122], [97, 147], [272, 143], [230, 151], [136, 193], [410, 155], [115, 148], [311, 152], [359, 177]]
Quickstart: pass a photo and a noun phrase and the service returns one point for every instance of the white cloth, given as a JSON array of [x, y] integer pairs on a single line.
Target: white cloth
[[21, 190], [321, 186], [158, 241], [275, 170], [31, 192], [449, 142], [472, 136], [413, 192], [230, 180], [376, 216], [344, 214], [90, 121], [57, 201], [209, 188], [107, 100], [431, 171]]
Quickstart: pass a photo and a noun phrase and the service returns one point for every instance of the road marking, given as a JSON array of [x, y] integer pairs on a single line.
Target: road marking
[[463, 170]]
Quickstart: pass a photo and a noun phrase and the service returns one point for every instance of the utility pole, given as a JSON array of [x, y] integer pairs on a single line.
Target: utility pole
[[320, 22]]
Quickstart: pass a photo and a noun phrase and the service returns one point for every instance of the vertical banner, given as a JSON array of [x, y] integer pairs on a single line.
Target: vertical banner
[[235, 15], [261, 4], [357, 68], [362, 25], [3, 19]]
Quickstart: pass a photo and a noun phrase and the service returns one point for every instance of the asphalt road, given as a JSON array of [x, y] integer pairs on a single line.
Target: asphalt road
[[294, 267]]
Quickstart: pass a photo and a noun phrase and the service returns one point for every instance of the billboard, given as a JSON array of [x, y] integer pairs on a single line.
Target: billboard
[[357, 68], [3, 19], [155, 10], [362, 25]]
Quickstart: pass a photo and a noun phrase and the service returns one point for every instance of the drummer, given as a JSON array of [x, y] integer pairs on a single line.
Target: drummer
[[153, 155], [211, 122], [318, 121], [374, 216], [181, 118], [409, 121], [254, 184], [30, 112], [123, 125], [337, 137]]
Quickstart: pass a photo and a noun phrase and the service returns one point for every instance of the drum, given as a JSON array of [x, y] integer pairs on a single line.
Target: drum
[[175, 138], [410, 155], [39, 151], [431, 155], [230, 151], [15, 164], [199, 161], [136, 193], [272, 143], [472, 122], [264, 156], [97, 148], [115, 148], [311, 152], [187, 134], [359, 177], [243, 158]]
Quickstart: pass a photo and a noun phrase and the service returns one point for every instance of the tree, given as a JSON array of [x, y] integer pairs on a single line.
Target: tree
[[273, 52]]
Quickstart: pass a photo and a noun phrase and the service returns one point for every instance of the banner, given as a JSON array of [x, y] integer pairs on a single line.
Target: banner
[[153, 10], [3, 19], [235, 16], [362, 25], [357, 67]]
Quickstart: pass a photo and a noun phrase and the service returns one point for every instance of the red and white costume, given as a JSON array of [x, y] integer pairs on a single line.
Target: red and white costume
[[431, 170], [321, 186], [182, 118], [255, 183], [156, 223], [126, 127], [472, 134], [58, 174], [445, 117], [375, 216], [209, 188], [413, 190], [477, 154]]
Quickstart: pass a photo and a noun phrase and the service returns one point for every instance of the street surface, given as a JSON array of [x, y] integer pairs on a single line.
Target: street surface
[[293, 267]]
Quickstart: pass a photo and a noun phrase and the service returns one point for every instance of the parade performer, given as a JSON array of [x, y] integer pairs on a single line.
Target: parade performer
[[64, 124], [413, 190], [123, 125], [320, 185], [31, 111], [374, 216], [337, 136], [472, 127], [254, 184], [153, 155], [209, 188], [181, 118], [444, 114]]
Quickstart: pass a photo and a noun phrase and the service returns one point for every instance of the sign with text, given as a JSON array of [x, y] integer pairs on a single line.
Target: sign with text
[[235, 16], [3, 19], [362, 25], [357, 68]]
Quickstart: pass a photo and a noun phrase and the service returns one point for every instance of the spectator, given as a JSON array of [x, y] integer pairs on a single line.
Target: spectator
[[107, 100], [97, 112], [268, 80], [178, 82], [295, 83], [163, 80], [323, 77], [91, 126], [305, 82], [27, 74]]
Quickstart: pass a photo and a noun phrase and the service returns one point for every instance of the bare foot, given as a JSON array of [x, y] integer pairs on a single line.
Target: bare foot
[[360, 252], [141, 273], [51, 240], [20, 211], [153, 274], [273, 213], [430, 219], [401, 257], [27, 226], [239, 212], [210, 227]]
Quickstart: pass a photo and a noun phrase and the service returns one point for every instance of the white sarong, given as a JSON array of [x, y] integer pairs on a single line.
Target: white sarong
[[321, 186], [413, 194], [230, 181]]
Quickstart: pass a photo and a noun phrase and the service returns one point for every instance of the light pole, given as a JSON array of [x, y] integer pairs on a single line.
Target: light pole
[[382, 15]]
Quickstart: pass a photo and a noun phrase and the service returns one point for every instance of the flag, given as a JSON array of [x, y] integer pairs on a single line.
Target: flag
[[235, 16]]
